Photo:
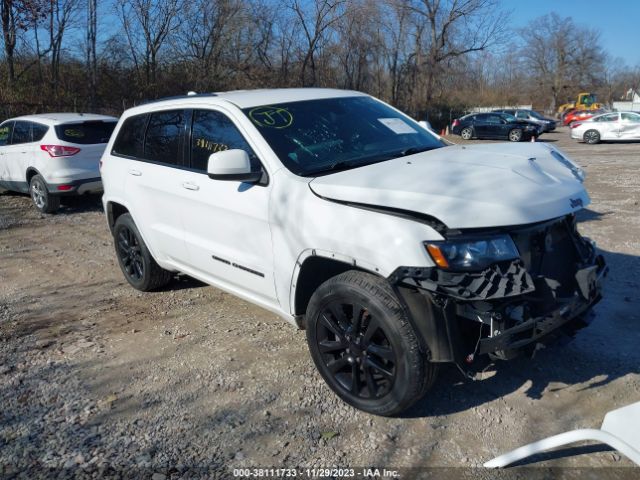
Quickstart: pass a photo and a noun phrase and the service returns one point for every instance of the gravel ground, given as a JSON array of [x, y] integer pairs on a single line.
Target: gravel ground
[[99, 380]]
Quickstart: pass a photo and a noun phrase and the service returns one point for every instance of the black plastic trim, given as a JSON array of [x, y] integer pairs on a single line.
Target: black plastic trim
[[238, 266]]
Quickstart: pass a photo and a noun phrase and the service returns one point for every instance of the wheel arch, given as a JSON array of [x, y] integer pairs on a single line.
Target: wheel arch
[[30, 173], [114, 210], [315, 267]]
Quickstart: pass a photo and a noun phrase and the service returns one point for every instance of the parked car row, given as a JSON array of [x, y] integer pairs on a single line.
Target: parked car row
[[249, 191], [590, 126]]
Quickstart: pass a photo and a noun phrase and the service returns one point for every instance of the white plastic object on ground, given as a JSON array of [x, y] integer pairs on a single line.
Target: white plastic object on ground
[[620, 430]]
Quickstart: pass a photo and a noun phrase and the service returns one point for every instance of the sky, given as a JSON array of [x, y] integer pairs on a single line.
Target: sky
[[617, 20]]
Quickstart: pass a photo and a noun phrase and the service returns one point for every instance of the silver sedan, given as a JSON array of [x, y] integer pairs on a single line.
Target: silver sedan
[[616, 126]]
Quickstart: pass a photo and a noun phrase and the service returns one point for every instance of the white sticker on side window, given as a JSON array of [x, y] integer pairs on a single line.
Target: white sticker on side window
[[397, 125]]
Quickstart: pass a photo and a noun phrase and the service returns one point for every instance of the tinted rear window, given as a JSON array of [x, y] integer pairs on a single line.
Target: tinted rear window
[[85, 133], [21, 133], [164, 137], [130, 140], [38, 131]]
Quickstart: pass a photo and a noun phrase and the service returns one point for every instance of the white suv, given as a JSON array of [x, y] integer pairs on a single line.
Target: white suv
[[54, 154], [349, 219]]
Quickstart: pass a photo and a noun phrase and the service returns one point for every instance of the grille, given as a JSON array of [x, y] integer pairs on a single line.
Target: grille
[[549, 251]]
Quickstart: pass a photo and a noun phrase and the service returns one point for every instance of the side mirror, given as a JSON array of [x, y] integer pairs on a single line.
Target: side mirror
[[231, 165]]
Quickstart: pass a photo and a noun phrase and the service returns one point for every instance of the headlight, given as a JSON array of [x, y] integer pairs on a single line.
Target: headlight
[[472, 254], [530, 127]]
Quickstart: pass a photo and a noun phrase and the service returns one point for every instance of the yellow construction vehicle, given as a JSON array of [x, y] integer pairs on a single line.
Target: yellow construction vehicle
[[585, 101]]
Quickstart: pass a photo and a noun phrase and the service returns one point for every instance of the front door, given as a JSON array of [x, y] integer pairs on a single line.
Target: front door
[[226, 228]]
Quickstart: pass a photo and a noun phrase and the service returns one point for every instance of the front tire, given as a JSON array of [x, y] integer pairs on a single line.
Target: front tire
[[134, 258], [515, 135], [364, 346], [591, 137], [467, 133], [42, 199]]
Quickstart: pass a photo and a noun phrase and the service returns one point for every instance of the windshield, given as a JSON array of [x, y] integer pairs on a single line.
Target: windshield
[[536, 115], [314, 137]]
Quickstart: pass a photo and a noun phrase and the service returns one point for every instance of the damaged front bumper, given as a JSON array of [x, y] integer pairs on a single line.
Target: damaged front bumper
[[517, 303]]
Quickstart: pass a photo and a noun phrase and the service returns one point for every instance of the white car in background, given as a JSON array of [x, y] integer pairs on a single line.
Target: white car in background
[[616, 126], [54, 154]]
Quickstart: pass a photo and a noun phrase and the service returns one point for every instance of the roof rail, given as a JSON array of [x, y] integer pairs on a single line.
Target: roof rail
[[178, 97]]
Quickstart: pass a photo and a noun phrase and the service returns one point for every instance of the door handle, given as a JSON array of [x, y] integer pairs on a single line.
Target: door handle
[[136, 173], [190, 186]]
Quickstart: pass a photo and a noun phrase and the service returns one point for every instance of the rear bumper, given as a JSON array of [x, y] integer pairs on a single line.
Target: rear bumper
[[76, 187]]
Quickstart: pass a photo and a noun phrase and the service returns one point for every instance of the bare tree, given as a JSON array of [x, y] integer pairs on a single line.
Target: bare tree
[[560, 63], [203, 37], [147, 24], [16, 15], [316, 23], [61, 14], [91, 57], [359, 43], [456, 28]]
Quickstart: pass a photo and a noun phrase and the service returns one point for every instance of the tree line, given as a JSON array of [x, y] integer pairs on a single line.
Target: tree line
[[424, 56]]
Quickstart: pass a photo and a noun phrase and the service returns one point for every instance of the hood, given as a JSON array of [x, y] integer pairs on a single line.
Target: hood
[[476, 186]]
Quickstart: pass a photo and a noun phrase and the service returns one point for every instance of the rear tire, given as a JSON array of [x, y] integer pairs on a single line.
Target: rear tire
[[364, 346], [134, 258], [591, 137], [42, 199], [467, 133], [515, 135]]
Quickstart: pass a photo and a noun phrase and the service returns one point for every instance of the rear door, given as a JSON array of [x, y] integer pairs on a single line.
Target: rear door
[[153, 146], [227, 225], [608, 126], [630, 126], [481, 125]]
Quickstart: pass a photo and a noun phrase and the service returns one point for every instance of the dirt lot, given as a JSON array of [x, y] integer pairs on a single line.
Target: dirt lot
[[192, 382]]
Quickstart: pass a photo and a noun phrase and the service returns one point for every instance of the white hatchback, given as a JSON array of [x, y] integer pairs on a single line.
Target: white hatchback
[[616, 126], [54, 154]]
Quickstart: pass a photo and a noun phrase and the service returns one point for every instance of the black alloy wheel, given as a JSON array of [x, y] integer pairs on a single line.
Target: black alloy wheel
[[356, 350], [138, 266], [364, 345], [129, 254]]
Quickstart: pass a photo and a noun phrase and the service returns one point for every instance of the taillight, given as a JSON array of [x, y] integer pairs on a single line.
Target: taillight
[[575, 124], [455, 123], [59, 150]]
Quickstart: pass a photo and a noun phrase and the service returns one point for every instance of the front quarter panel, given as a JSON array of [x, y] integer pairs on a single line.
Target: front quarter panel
[[304, 224]]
